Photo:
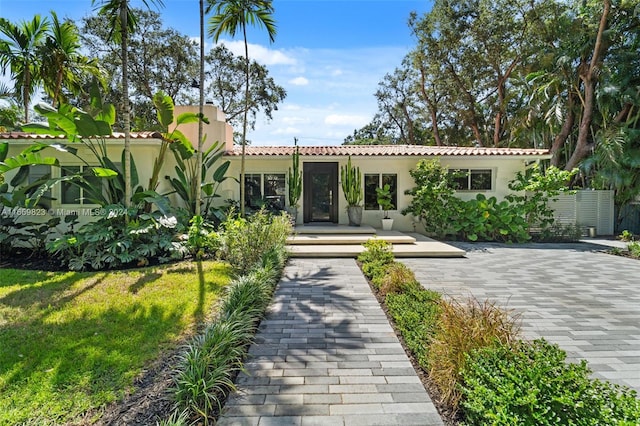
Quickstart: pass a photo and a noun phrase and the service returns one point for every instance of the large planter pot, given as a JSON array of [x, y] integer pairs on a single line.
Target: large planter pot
[[387, 224], [293, 212], [355, 215]]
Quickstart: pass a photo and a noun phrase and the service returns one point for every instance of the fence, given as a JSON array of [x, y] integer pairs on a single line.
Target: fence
[[587, 208]]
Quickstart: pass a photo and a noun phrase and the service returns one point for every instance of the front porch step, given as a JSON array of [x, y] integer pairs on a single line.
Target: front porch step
[[422, 247], [333, 229], [393, 237]]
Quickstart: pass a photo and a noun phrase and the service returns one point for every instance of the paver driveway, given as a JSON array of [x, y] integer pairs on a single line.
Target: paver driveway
[[586, 301]]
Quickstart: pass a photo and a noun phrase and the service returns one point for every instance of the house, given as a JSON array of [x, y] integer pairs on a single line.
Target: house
[[266, 167]]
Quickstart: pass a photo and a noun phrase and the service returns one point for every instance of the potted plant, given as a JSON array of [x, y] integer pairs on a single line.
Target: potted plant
[[353, 192], [295, 183], [385, 202]]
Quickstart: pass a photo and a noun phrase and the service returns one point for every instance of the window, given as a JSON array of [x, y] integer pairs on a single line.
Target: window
[[72, 193], [373, 181], [274, 190], [36, 173], [472, 179]]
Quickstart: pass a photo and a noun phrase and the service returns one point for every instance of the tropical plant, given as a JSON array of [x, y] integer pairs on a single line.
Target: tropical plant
[[295, 177], [229, 17], [434, 201], [20, 53], [116, 240], [535, 189], [123, 22], [63, 65], [184, 184], [384, 198]]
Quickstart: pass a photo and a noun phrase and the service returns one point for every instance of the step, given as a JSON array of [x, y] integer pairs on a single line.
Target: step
[[393, 237], [333, 229], [423, 247]]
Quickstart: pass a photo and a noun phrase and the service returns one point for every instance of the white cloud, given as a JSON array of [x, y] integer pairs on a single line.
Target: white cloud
[[295, 120], [354, 121], [299, 81], [286, 131], [260, 54]]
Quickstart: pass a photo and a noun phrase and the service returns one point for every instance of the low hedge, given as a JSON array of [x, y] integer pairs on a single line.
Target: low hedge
[[472, 353], [211, 361], [530, 383]]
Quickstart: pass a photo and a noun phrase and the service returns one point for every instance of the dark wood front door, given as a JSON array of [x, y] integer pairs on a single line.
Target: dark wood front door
[[320, 182]]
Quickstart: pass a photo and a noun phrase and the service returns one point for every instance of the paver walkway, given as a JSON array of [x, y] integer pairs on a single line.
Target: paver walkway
[[326, 355], [586, 301]]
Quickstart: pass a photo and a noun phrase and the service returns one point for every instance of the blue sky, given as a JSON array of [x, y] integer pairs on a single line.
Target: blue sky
[[328, 54]]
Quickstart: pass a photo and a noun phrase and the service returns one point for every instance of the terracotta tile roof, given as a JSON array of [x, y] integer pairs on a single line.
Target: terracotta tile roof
[[385, 150], [116, 135]]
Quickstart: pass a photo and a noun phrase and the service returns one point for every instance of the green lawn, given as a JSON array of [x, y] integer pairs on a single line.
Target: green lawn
[[74, 341]]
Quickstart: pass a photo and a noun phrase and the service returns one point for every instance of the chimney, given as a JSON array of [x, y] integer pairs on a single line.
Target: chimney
[[217, 129]]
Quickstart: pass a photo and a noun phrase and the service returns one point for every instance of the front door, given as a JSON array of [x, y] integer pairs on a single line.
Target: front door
[[320, 182]]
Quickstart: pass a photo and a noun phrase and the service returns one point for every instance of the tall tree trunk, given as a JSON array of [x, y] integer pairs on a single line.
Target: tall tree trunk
[[588, 75], [25, 95], [125, 105], [432, 109], [244, 121], [567, 126], [201, 112]]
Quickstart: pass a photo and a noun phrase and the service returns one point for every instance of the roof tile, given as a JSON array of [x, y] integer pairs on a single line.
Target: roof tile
[[385, 150]]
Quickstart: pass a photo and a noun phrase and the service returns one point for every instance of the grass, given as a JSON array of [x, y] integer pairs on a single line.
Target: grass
[[71, 342]]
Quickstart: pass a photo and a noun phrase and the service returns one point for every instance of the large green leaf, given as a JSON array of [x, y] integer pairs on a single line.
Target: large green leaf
[[4, 150], [103, 172], [187, 117], [21, 176], [164, 107], [41, 129], [26, 159], [182, 145], [221, 171]]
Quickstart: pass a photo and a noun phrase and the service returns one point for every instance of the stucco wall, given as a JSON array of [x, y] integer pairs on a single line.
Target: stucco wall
[[503, 170]]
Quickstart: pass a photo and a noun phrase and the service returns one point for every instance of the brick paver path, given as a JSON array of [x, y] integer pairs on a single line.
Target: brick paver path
[[326, 355], [588, 302]]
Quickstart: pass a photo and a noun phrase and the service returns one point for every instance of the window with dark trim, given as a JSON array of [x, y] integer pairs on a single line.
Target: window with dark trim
[[71, 193], [272, 193], [378, 180], [472, 179]]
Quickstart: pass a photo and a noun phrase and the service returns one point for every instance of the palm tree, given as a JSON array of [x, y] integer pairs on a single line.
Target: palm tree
[[200, 111], [62, 63], [19, 52], [122, 21], [229, 17]]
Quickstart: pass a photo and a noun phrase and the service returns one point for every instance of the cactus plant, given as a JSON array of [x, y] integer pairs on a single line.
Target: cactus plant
[[295, 177], [351, 184]]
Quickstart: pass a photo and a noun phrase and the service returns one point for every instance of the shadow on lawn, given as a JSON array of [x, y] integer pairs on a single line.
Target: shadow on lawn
[[85, 361], [50, 289]]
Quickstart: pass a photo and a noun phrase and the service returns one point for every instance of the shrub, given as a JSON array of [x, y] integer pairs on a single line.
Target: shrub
[[376, 256], [202, 240], [113, 242], [626, 235], [530, 383], [634, 248], [210, 362], [397, 278], [434, 197], [415, 314], [461, 329], [244, 241]]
